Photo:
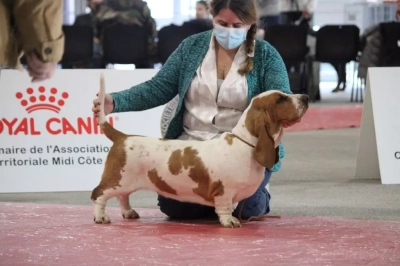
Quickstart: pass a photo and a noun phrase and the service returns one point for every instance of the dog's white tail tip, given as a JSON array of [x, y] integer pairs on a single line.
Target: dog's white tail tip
[[101, 98]]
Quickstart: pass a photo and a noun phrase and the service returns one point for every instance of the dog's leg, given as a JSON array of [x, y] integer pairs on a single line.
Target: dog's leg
[[126, 209], [224, 209], [100, 197]]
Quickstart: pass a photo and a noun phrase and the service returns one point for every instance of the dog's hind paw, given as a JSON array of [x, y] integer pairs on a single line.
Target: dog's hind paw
[[102, 219], [230, 221], [130, 214]]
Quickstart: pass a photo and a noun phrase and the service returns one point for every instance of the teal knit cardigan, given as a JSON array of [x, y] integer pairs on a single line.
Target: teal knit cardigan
[[175, 77]]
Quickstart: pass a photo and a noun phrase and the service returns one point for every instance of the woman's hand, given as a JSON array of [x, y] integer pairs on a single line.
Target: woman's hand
[[108, 105], [291, 123], [39, 70], [306, 14]]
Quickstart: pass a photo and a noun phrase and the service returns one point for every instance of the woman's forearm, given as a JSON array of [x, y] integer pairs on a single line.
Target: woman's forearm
[[162, 88], [144, 96], [310, 6]]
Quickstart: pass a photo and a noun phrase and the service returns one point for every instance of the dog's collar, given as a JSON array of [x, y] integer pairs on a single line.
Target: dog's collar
[[251, 145]]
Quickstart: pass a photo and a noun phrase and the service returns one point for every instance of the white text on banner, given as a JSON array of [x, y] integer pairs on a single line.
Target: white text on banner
[[49, 140]]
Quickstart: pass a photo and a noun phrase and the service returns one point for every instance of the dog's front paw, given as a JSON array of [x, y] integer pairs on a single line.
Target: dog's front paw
[[229, 221], [130, 214], [102, 219]]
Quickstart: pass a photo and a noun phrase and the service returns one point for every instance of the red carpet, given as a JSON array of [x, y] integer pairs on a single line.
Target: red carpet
[[329, 118], [34, 234]]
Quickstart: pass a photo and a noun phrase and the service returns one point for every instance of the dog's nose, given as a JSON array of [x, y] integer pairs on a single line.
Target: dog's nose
[[304, 98]]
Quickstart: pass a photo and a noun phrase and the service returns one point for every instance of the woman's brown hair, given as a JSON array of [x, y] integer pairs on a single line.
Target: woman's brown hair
[[246, 10]]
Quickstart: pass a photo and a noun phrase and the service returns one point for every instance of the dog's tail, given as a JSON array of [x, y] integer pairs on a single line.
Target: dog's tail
[[108, 130]]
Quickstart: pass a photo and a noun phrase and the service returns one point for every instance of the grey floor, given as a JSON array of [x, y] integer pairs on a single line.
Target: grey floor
[[317, 178]]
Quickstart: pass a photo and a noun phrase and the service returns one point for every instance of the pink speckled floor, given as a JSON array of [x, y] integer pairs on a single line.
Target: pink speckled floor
[[33, 234], [338, 117]]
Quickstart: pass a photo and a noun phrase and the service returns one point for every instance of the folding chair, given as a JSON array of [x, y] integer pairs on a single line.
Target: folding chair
[[338, 44], [169, 38], [78, 47], [125, 44], [291, 43], [195, 26], [390, 44]]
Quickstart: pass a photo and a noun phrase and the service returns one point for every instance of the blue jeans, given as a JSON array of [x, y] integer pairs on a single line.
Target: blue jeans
[[256, 205]]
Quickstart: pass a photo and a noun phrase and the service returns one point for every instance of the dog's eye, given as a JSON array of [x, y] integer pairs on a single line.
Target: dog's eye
[[281, 99]]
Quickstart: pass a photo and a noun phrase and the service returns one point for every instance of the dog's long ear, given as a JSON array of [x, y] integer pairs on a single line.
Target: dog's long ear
[[265, 153]]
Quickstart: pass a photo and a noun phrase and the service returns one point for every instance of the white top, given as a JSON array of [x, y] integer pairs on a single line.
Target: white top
[[287, 5], [214, 106], [268, 7]]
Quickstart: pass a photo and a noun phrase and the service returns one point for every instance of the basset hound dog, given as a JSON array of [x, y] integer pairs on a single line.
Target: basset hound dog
[[218, 172]]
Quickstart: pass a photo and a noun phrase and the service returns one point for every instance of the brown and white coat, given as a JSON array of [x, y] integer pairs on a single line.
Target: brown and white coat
[[218, 172]]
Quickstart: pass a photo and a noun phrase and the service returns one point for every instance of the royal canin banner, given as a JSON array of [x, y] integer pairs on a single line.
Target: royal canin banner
[[49, 139]]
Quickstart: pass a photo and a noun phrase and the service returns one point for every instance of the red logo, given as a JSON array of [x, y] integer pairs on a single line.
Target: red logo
[[42, 100], [48, 100]]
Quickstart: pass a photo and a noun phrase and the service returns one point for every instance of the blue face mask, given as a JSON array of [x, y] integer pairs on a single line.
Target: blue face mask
[[230, 38]]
